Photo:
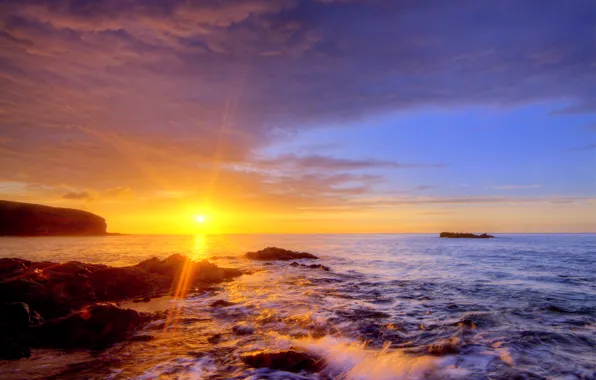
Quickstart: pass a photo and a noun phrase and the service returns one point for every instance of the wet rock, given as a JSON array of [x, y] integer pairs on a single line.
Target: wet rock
[[222, 303], [445, 347], [357, 314], [213, 339], [11, 350], [291, 360], [243, 329], [55, 290], [95, 326], [14, 318], [312, 266], [555, 309], [274, 253], [141, 338], [476, 320], [464, 235]]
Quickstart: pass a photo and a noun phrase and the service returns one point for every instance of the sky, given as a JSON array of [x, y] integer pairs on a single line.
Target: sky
[[303, 116]]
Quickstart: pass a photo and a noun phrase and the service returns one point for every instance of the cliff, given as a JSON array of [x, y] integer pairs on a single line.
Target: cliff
[[28, 219]]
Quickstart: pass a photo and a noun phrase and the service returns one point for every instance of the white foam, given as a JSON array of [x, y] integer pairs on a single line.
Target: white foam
[[353, 360], [181, 368]]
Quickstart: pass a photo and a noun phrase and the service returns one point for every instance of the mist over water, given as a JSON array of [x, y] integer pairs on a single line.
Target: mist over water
[[391, 307]]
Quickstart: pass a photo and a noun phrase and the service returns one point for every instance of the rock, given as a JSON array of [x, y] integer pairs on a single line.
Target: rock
[[243, 328], [464, 235], [141, 338], [213, 339], [10, 350], [55, 290], [95, 326], [28, 219], [291, 360], [274, 253], [445, 347], [312, 266], [14, 318], [222, 303]]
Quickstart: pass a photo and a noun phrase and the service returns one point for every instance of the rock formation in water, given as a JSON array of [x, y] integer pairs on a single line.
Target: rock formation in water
[[274, 253], [311, 266], [463, 235], [291, 360], [45, 304], [28, 219]]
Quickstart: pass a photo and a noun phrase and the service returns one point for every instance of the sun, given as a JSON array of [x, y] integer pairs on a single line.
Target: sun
[[200, 218]]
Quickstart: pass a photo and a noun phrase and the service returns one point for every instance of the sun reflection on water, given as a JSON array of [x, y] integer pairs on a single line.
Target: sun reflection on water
[[199, 248]]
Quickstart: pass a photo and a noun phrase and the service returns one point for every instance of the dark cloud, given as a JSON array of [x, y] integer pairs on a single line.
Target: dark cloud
[[150, 93]]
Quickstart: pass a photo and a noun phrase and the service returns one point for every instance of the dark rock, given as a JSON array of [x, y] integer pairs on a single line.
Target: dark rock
[[141, 338], [14, 318], [28, 219], [10, 350], [222, 303], [312, 266], [243, 329], [274, 253], [464, 235], [55, 290], [63, 299], [95, 326], [291, 360], [445, 347], [555, 309]]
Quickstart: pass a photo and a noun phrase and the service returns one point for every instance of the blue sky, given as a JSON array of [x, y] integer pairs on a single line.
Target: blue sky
[[523, 150]]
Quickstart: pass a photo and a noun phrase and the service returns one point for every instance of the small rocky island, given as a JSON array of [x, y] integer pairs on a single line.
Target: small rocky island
[[464, 235], [29, 219]]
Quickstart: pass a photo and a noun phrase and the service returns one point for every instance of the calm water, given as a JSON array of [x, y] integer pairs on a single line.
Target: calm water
[[519, 306]]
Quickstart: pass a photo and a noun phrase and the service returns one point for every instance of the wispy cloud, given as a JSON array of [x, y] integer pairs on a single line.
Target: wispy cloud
[[583, 148], [516, 187], [83, 195], [335, 163]]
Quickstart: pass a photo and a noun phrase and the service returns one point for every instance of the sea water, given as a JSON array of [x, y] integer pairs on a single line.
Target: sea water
[[391, 307]]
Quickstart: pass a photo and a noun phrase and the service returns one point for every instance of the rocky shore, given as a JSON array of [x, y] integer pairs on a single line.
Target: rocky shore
[[75, 304], [45, 304]]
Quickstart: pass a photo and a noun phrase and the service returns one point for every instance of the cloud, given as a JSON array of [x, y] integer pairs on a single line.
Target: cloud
[[83, 195], [583, 148], [117, 192], [335, 163], [88, 195], [516, 187], [179, 97], [425, 187]]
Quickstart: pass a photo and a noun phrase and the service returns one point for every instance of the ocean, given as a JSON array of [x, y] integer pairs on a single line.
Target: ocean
[[391, 307]]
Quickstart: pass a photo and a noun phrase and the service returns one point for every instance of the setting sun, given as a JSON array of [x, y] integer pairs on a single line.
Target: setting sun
[[200, 219]]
